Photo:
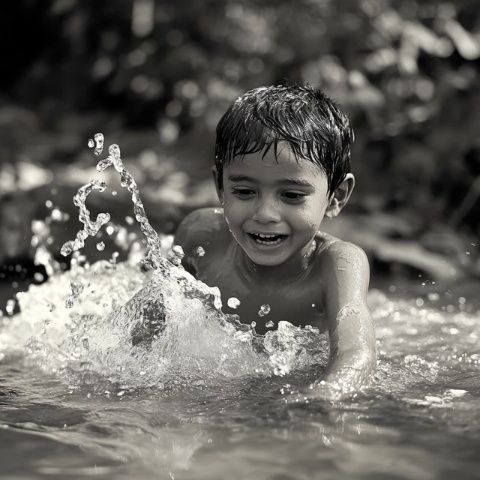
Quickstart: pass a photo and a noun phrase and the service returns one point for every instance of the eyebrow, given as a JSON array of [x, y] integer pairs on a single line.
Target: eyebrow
[[286, 181]]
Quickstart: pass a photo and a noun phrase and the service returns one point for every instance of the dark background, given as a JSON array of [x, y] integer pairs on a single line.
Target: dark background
[[155, 77]]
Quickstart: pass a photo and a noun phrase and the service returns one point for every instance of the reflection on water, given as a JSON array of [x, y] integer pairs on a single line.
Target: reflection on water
[[112, 371]]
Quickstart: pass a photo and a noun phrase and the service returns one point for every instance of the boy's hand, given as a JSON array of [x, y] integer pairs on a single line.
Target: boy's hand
[[344, 382]]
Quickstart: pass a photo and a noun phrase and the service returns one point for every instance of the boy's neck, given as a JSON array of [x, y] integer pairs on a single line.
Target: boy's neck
[[284, 274]]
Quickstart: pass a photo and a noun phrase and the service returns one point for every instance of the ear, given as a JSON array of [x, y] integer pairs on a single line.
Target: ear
[[340, 196], [218, 183]]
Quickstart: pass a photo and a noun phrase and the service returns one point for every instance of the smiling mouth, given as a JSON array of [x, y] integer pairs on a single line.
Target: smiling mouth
[[267, 239]]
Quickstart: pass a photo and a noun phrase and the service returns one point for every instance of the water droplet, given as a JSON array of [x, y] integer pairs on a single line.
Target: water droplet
[[10, 306], [129, 220], [233, 302], [264, 310], [49, 204], [200, 251], [110, 230], [98, 137], [269, 324], [56, 215], [114, 193], [178, 250], [114, 257], [100, 246]]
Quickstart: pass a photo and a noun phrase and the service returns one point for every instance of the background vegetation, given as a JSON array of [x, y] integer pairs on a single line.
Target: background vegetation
[[156, 76]]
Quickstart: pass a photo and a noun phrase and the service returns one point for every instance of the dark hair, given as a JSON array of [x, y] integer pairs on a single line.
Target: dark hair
[[311, 123]]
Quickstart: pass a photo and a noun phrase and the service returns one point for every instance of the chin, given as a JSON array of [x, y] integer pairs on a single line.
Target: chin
[[266, 260]]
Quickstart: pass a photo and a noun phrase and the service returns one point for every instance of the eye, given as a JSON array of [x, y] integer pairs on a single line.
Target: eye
[[243, 192], [294, 197]]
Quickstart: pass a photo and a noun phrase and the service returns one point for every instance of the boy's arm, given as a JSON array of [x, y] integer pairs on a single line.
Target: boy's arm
[[352, 336]]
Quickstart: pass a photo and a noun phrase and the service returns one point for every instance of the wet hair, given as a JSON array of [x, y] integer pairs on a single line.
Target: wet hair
[[311, 124]]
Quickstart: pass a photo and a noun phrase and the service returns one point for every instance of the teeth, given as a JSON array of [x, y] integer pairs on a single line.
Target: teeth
[[266, 239], [270, 242]]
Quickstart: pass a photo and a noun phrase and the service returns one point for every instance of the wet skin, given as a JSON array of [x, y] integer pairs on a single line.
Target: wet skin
[[266, 247], [297, 299]]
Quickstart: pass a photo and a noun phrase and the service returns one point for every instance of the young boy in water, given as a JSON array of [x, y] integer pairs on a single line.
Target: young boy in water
[[282, 162]]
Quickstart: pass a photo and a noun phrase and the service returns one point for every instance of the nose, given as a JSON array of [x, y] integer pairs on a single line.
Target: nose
[[266, 211]]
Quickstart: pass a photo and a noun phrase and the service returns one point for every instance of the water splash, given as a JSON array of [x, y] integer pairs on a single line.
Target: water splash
[[42, 238], [130, 326], [91, 228], [39, 242]]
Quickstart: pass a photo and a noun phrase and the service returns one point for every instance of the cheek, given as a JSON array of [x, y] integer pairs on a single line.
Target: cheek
[[308, 218], [235, 211]]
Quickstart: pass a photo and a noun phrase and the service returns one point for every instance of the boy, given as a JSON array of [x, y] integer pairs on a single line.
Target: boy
[[282, 162]]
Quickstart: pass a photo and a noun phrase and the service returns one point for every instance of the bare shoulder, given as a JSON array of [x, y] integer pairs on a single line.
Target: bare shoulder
[[346, 265], [200, 228], [340, 252]]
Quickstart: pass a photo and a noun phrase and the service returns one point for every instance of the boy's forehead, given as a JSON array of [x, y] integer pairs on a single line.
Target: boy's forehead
[[284, 162]]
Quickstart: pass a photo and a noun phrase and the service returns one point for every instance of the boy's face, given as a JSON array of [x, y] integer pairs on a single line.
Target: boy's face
[[274, 207]]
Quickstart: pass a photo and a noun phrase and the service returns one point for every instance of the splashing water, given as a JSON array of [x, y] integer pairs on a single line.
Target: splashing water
[[129, 326], [91, 228], [42, 238]]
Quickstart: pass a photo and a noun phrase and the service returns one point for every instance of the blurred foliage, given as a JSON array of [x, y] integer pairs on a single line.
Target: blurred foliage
[[406, 71]]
